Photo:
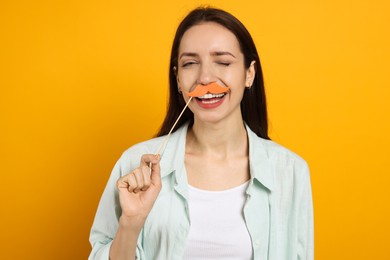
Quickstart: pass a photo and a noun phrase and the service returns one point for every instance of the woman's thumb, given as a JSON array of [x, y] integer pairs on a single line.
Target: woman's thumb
[[156, 176]]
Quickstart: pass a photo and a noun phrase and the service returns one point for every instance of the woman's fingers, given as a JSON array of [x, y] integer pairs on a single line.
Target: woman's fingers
[[146, 178], [134, 182], [153, 161], [127, 182], [137, 180], [141, 178], [139, 189]]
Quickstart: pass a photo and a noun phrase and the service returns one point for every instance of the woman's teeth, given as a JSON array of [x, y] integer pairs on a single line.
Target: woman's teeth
[[209, 96]]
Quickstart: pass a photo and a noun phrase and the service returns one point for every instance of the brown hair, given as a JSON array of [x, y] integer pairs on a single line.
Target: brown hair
[[253, 104]]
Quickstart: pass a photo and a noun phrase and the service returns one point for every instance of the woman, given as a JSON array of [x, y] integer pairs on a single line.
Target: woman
[[220, 189]]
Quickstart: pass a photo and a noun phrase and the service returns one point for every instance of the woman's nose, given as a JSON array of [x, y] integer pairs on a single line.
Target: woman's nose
[[206, 74]]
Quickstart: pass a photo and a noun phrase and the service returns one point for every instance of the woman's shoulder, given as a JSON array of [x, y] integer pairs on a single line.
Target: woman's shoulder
[[149, 146], [130, 158], [287, 168], [276, 154], [277, 150]]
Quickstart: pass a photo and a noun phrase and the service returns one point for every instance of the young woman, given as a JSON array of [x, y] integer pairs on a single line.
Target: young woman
[[220, 189]]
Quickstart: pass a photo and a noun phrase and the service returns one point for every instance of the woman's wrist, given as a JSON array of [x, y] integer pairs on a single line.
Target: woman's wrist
[[125, 241], [131, 223]]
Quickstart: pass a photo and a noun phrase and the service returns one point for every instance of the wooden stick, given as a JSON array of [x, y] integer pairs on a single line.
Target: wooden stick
[[169, 134]]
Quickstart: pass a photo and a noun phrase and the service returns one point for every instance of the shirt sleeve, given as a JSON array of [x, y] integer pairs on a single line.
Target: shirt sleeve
[[106, 220], [306, 221]]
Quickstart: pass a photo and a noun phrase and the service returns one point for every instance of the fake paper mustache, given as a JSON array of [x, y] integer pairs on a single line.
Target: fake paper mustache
[[213, 88]]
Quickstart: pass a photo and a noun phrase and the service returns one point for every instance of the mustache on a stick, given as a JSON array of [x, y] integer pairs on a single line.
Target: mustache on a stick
[[213, 88], [200, 90]]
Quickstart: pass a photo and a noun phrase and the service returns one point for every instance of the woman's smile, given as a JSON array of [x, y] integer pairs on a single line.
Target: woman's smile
[[209, 101]]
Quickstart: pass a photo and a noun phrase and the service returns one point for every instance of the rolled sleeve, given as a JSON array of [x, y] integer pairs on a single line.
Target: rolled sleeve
[[106, 219], [306, 222]]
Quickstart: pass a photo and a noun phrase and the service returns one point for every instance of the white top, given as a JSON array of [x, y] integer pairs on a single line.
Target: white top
[[218, 229]]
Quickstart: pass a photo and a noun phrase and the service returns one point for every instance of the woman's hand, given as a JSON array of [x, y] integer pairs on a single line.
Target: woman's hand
[[138, 191]]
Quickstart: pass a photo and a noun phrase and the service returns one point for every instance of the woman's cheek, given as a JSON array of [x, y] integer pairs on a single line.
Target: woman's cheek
[[187, 79]]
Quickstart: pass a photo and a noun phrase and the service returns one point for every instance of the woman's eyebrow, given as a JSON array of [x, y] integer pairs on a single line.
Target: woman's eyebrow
[[189, 54], [214, 53], [222, 53]]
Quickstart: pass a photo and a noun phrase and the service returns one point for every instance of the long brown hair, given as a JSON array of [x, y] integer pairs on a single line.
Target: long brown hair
[[253, 104]]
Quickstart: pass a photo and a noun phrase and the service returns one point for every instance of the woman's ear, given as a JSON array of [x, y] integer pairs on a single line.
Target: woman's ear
[[176, 75], [177, 79], [250, 75]]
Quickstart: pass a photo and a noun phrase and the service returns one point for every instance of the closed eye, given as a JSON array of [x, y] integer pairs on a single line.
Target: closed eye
[[188, 63], [224, 63]]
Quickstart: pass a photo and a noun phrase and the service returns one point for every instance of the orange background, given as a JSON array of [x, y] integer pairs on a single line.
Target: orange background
[[80, 81]]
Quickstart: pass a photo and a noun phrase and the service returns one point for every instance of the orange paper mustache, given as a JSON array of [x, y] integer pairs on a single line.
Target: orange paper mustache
[[213, 88]]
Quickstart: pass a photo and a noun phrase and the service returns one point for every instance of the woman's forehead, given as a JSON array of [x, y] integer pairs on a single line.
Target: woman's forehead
[[208, 37]]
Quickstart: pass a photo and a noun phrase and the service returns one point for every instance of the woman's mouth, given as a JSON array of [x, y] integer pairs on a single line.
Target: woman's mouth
[[210, 100]]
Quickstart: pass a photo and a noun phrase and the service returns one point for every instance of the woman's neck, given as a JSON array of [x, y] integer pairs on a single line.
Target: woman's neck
[[222, 139]]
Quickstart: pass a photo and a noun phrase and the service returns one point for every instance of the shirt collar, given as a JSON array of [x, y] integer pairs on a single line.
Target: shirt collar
[[173, 156], [260, 166]]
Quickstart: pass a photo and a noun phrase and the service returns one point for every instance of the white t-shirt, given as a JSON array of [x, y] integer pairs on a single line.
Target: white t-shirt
[[218, 229]]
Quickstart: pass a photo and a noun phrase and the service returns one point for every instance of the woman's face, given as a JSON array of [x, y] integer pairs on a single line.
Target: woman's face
[[208, 53]]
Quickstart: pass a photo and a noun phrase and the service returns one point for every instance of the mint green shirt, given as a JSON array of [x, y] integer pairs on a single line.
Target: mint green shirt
[[278, 209]]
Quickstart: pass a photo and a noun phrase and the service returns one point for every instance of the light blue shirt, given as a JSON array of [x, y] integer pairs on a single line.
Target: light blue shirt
[[278, 209]]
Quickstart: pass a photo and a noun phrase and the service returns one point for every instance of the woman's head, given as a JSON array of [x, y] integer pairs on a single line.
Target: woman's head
[[253, 104]]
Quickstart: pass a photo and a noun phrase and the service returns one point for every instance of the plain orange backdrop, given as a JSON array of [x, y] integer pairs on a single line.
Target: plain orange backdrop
[[80, 81]]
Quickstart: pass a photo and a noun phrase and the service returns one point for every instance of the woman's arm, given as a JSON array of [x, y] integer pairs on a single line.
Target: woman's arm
[[138, 191], [123, 209], [125, 242]]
